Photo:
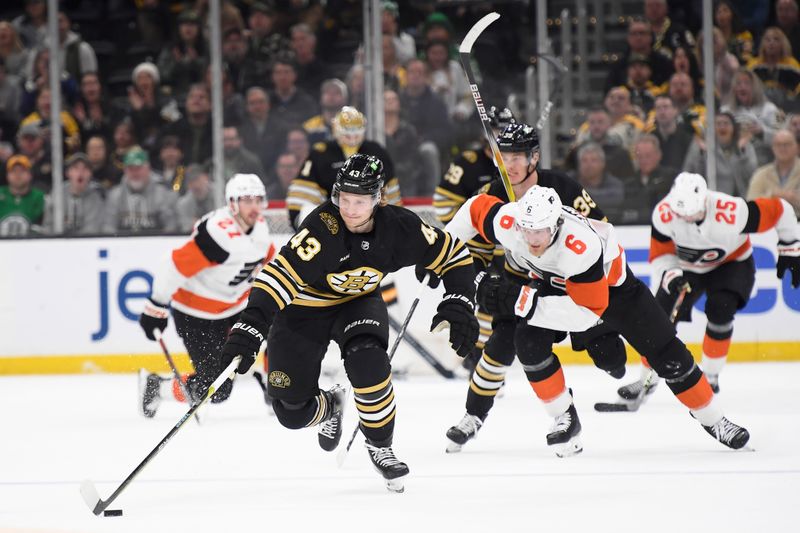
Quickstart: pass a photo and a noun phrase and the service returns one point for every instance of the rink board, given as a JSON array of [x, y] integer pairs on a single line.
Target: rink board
[[71, 306]]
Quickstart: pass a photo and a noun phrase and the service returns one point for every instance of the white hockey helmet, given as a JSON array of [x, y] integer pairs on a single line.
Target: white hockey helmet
[[688, 194], [241, 185], [540, 208]]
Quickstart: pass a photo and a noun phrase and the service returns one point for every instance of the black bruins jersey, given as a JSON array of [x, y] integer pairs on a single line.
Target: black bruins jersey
[[470, 171], [569, 190], [324, 264], [315, 183]]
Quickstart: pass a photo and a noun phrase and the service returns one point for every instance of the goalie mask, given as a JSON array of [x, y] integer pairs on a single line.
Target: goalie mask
[[360, 174], [348, 128], [539, 209], [687, 198]]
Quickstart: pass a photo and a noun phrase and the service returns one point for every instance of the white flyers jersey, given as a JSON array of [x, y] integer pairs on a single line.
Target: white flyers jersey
[[584, 260], [721, 237], [210, 275]]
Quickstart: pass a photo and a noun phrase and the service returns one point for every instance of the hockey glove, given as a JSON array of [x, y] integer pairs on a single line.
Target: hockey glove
[[433, 280], [672, 281], [501, 297], [789, 259], [458, 312], [154, 316], [245, 340]]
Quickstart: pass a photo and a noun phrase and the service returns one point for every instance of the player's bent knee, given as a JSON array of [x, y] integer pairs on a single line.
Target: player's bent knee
[[292, 415], [607, 351], [721, 306]]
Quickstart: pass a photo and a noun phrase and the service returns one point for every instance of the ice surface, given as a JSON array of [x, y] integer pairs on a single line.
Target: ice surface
[[651, 471]]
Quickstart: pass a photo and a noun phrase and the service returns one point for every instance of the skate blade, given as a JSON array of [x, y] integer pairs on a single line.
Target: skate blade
[[569, 448], [396, 485], [453, 447]]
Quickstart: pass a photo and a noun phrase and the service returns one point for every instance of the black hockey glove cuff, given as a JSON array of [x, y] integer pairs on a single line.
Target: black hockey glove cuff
[[154, 316], [457, 312], [245, 339], [789, 259], [433, 280], [499, 296]]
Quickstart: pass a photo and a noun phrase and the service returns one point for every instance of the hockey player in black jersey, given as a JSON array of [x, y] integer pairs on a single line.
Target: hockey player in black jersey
[[519, 145], [323, 286], [314, 184]]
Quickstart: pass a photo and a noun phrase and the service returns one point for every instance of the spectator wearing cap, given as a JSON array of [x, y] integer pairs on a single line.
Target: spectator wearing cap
[[21, 205], [32, 24], [667, 33], [30, 142], [437, 27], [103, 171], [640, 41], [140, 203], [265, 42], [237, 158], [148, 107], [259, 131], [333, 96], [640, 84], [83, 199], [311, 70], [287, 168], [13, 54], [291, 106], [75, 56], [198, 199], [170, 163], [183, 63], [194, 128], [42, 117], [404, 44], [92, 111]]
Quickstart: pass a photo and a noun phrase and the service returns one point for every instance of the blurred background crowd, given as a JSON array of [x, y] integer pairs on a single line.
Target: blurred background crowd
[[136, 100]]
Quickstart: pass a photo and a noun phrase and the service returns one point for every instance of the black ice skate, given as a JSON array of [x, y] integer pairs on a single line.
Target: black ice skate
[[564, 437], [149, 393], [390, 467], [330, 430], [728, 433], [463, 432], [713, 380]]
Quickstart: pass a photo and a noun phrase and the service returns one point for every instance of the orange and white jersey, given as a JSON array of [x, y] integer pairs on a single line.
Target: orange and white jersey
[[210, 275], [721, 237], [584, 260]]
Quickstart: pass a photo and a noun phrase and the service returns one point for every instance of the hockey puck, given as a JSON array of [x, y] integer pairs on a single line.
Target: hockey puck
[[112, 512]]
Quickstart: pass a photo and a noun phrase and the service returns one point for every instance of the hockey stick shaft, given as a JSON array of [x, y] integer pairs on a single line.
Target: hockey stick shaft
[[400, 333], [422, 351], [186, 392], [464, 52], [89, 491]]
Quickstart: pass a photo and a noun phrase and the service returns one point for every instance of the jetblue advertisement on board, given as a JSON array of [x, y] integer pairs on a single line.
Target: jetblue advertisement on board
[[84, 296]]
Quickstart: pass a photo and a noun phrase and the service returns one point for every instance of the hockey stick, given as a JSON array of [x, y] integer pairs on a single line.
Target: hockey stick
[[633, 405], [186, 392], [89, 491], [464, 52], [342, 455], [562, 69], [422, 351]]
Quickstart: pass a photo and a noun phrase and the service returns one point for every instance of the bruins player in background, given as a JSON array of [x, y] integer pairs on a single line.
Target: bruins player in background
[[324, 285], [313, 186], [207, 281]]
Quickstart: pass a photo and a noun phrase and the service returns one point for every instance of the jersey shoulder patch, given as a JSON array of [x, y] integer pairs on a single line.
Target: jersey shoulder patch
[[330, 222], [470, 156], [320, 147]]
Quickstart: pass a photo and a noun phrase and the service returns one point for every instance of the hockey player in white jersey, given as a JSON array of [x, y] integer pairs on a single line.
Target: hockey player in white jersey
[[701, 237], [206, 282], [580, 277]]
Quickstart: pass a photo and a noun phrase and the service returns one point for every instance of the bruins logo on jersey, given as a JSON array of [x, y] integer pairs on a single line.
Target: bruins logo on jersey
[[355, 281], [279, 379], [330, 222]]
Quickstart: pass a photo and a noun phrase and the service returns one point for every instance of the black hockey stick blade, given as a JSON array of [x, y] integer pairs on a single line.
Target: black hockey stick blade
[[605, 407]]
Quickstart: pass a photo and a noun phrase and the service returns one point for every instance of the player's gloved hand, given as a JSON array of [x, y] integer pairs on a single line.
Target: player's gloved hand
[[789, 259], [245, 340], [672, 281], [154, 316], [457, 312], [433, 280], [501, 297]]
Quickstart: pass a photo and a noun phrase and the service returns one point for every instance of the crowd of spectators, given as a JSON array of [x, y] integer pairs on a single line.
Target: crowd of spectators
[[137, 138]]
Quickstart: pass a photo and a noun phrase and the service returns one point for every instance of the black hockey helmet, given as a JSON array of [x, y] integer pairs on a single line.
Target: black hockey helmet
[[500, 118], [360, 174], [518, 137]]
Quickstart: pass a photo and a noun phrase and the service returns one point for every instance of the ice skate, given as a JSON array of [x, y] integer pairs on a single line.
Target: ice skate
[[149, 393], [390, 467], [713, 380], [728, 433], [564, 437], [330, 430], [463, 432]]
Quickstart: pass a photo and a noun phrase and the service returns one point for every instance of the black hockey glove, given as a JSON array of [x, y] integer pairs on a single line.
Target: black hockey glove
[[501, 297], [789, 259], [244, 339], [458, 312], [154, 316], [672, 281], [433, 280]]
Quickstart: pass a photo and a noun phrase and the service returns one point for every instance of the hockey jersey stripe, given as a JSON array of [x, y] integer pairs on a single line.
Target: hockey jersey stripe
[[379, 424], [481, 211], [207, 305], [286, 283], [659, 248], [437, 263], [373, 408], [286, 295], [208, 246], [770, 211], [189, 259], [288, 268], [590, 289], [280, 302], [373, 388]]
